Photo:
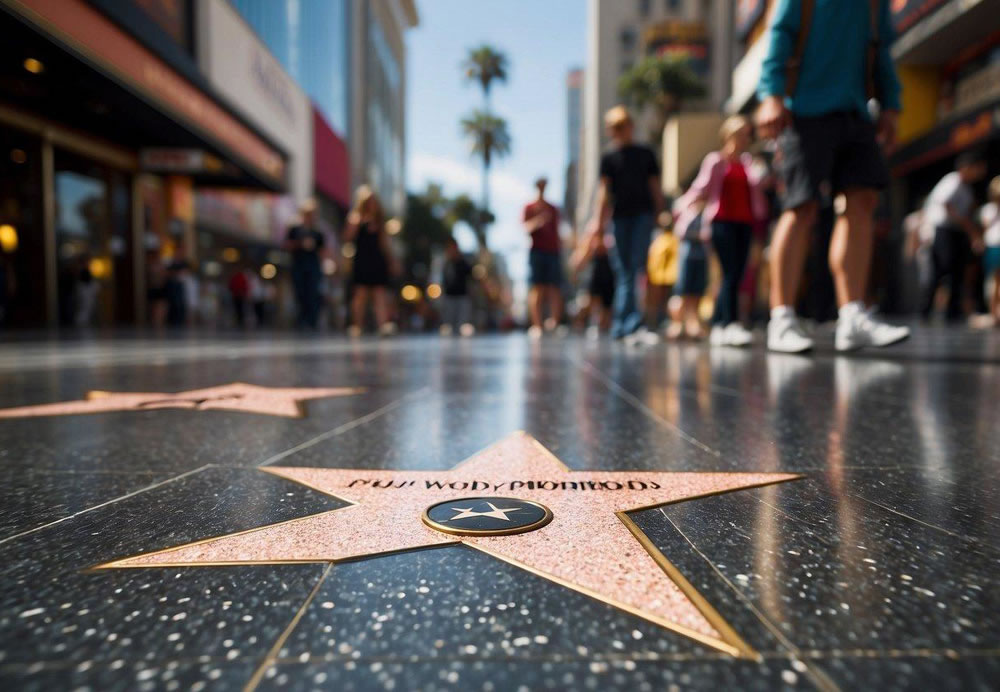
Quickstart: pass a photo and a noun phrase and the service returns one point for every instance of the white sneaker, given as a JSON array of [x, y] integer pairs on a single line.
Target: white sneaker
[[718, 336], [387, 329], [863, 328], [785, 335], [642, 337], [534, 332], [354, 331], [738, 335], [593, 333], [445, 329], [467, 330]]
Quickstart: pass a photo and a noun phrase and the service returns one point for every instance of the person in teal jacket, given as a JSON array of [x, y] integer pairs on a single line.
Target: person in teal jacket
[[827, 145]]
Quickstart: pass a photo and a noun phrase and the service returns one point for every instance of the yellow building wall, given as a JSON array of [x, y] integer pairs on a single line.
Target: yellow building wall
[[921, 89]]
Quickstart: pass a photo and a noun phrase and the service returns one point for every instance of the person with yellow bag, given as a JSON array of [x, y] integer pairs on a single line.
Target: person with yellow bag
[[661, 273]]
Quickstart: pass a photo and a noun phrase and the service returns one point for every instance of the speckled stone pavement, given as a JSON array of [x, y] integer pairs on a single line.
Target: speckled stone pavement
[[877, 569]]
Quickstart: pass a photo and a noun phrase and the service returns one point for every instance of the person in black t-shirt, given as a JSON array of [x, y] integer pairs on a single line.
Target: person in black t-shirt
[[629, 195], [306, 244], [455, 303]]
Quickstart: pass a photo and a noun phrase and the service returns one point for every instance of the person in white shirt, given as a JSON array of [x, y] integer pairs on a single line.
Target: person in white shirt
[[949, 211], [989, 216]]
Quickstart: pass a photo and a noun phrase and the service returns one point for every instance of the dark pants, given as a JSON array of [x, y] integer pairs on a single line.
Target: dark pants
[[628, 259], [731, 241], [949, 257], [240, 310], [306, 284]]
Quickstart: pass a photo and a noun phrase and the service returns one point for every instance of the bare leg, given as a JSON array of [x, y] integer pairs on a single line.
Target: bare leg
[[535, 306], [358, 304], [692, 323], [654, 304], [604, 317], [583, 312], [789, 248], [381, 306], [555, 303], [852, 244], [995, 301]]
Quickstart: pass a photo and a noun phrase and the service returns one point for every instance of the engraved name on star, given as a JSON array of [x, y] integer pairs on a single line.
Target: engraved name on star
[[238, 396], [590, 545]]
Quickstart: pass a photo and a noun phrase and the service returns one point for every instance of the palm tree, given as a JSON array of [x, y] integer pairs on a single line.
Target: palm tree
[[485, 65], [663, 82], [488, 139]]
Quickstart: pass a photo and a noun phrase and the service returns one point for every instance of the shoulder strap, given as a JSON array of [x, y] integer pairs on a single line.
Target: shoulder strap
[[794, 65], [871, 55]]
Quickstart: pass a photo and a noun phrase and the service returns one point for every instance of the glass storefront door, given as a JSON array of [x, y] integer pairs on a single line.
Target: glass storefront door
[[93, 249]]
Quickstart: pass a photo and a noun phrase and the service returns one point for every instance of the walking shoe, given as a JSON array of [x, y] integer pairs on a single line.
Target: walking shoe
[[642, 337], [534, 332], [387, 329], [354, 331], [862, 328], [445, 330], [467, 330], [593, 333], [718, 336], [785, 335], [738, 335]]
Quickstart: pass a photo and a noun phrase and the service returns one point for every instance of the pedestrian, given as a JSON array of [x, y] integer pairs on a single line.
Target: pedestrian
[[825, 60], [729, 186], [661, 275], [629, 195], [692, 272], [949, 211], [990, 218], [541, 220], [600, 293], [456, 305], [239, 291], [306, 244], [373, 262]]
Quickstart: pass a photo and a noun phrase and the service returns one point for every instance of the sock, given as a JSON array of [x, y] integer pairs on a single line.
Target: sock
[[782, 311], [851, 309]]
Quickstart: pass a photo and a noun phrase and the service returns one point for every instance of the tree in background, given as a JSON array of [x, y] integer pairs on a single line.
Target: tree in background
[[487, 134], [488, 139], [662, 82], [430, 219], [485, 65]]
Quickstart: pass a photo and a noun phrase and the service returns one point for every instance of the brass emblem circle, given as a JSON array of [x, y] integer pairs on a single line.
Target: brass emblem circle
[[486, 516]]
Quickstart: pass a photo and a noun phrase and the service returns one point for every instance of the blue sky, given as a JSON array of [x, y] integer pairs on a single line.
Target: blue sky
[[543, 39]]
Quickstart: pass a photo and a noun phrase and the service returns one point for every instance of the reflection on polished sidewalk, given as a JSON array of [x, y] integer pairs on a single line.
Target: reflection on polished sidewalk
[[879, 567]]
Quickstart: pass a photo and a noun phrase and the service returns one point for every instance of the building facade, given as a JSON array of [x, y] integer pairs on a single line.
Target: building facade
[[574, 134], [378, 97], [109, 127], [621, 32]]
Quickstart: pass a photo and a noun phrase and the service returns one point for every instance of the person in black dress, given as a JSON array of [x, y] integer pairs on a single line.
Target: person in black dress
[[373, 262]]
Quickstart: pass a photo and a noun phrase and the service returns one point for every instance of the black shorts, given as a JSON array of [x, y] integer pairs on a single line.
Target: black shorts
[[821, 156], [545, 268]]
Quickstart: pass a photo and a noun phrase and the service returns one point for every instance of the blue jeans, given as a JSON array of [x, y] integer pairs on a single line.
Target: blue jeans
[[628, 259]]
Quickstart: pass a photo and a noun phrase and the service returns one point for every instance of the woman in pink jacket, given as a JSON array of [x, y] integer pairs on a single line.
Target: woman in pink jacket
[[729, 186]]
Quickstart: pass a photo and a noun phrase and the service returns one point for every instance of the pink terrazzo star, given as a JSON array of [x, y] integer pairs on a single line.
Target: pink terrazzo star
[[590, 545], [272, 401]]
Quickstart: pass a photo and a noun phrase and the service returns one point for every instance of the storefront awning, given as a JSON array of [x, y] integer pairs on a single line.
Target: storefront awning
[[101, 80], [966, 131]]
